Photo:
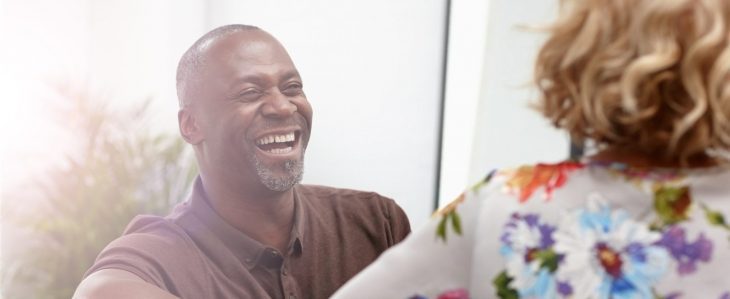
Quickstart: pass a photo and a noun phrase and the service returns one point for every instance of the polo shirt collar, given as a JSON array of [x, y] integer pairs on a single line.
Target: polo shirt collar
[[248, 251]]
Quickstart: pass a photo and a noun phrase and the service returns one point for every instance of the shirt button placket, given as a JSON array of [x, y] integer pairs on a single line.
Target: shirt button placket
[[287, 281]]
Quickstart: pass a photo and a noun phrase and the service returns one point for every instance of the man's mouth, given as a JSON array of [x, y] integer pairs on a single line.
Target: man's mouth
[[278, 143]]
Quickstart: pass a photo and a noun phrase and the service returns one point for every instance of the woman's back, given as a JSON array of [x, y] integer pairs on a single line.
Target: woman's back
[[568, 230], [606, 231]]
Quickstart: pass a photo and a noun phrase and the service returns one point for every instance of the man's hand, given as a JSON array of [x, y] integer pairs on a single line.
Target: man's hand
[[117, 284]]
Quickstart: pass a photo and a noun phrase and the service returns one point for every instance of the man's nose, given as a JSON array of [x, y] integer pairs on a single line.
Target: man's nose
[[278, 105]]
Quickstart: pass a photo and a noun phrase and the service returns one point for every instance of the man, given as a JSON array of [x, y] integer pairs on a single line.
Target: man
[[249, 230]]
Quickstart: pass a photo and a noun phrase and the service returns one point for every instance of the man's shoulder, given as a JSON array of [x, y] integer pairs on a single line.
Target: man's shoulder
[[160, 228], [151, 237], [349, 201], [331, 192], [356, 212], [154, 229], [325, 195], [149, 246]]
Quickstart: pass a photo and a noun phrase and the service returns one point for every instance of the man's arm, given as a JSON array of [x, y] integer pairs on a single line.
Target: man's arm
[[118, 284]]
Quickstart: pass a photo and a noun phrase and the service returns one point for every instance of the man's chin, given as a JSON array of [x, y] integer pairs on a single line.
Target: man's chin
[[280, 177]]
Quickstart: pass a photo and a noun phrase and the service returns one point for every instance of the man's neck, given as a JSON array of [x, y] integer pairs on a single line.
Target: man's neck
[[265, 216]]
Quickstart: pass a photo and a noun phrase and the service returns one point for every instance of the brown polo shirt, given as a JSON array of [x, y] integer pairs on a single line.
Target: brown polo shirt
[[193, 253]]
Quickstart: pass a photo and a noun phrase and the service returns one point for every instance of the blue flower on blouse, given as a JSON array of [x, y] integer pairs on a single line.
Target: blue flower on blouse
[[531, 262], [609, 254]]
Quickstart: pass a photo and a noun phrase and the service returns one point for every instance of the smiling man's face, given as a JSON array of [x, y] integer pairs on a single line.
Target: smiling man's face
[[252, 111]]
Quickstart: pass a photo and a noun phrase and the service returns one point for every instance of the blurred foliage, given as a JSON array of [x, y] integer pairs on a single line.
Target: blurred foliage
[[121, 169]]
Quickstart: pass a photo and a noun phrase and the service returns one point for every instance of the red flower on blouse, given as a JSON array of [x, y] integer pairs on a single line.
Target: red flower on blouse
[[526, 179]]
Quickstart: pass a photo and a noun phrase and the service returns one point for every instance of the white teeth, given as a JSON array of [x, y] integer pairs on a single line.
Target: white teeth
[[280, 150], [275, 138]]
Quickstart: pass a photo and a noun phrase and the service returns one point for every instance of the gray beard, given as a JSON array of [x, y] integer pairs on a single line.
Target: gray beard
[[294, 173]]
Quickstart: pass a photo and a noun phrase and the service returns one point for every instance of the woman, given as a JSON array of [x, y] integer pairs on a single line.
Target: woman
[[647, 82]]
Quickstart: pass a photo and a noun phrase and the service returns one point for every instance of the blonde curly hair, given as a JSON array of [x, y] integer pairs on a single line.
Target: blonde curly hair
[[645, 75]]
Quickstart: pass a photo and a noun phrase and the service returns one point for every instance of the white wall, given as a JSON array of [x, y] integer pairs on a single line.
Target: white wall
[[496, 128], [372, 71]]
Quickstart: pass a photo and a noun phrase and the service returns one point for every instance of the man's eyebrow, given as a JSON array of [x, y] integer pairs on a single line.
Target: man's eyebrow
[[259, 80], [291, 75], [255, 79]]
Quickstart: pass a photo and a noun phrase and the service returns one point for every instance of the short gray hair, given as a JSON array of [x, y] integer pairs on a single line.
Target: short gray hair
[[192, 59]]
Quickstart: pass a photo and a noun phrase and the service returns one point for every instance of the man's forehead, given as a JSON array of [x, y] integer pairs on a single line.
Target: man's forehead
[[249, 45], [254, 57], [226, 53]]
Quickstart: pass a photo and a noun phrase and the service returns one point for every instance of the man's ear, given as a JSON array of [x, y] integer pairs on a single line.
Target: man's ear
[[189, 126]]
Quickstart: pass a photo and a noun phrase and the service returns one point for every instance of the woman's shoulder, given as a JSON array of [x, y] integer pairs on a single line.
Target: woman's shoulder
[[541, 181], [573, 229], [520, 183]]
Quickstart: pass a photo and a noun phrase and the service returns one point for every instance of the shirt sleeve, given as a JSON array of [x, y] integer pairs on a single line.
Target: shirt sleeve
[[132, 253], [399, 226], [433, 260], [148, 253]]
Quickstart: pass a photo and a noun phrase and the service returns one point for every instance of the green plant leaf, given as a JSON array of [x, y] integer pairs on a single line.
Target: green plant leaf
[[441, 229], [504, 291], [456, 221], [119, 170]]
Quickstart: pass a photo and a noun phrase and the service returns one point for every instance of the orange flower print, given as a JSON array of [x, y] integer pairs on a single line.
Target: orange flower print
[[526, 179]]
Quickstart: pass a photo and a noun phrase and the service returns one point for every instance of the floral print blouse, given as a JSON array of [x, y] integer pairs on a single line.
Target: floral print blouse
[[567, 230]]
